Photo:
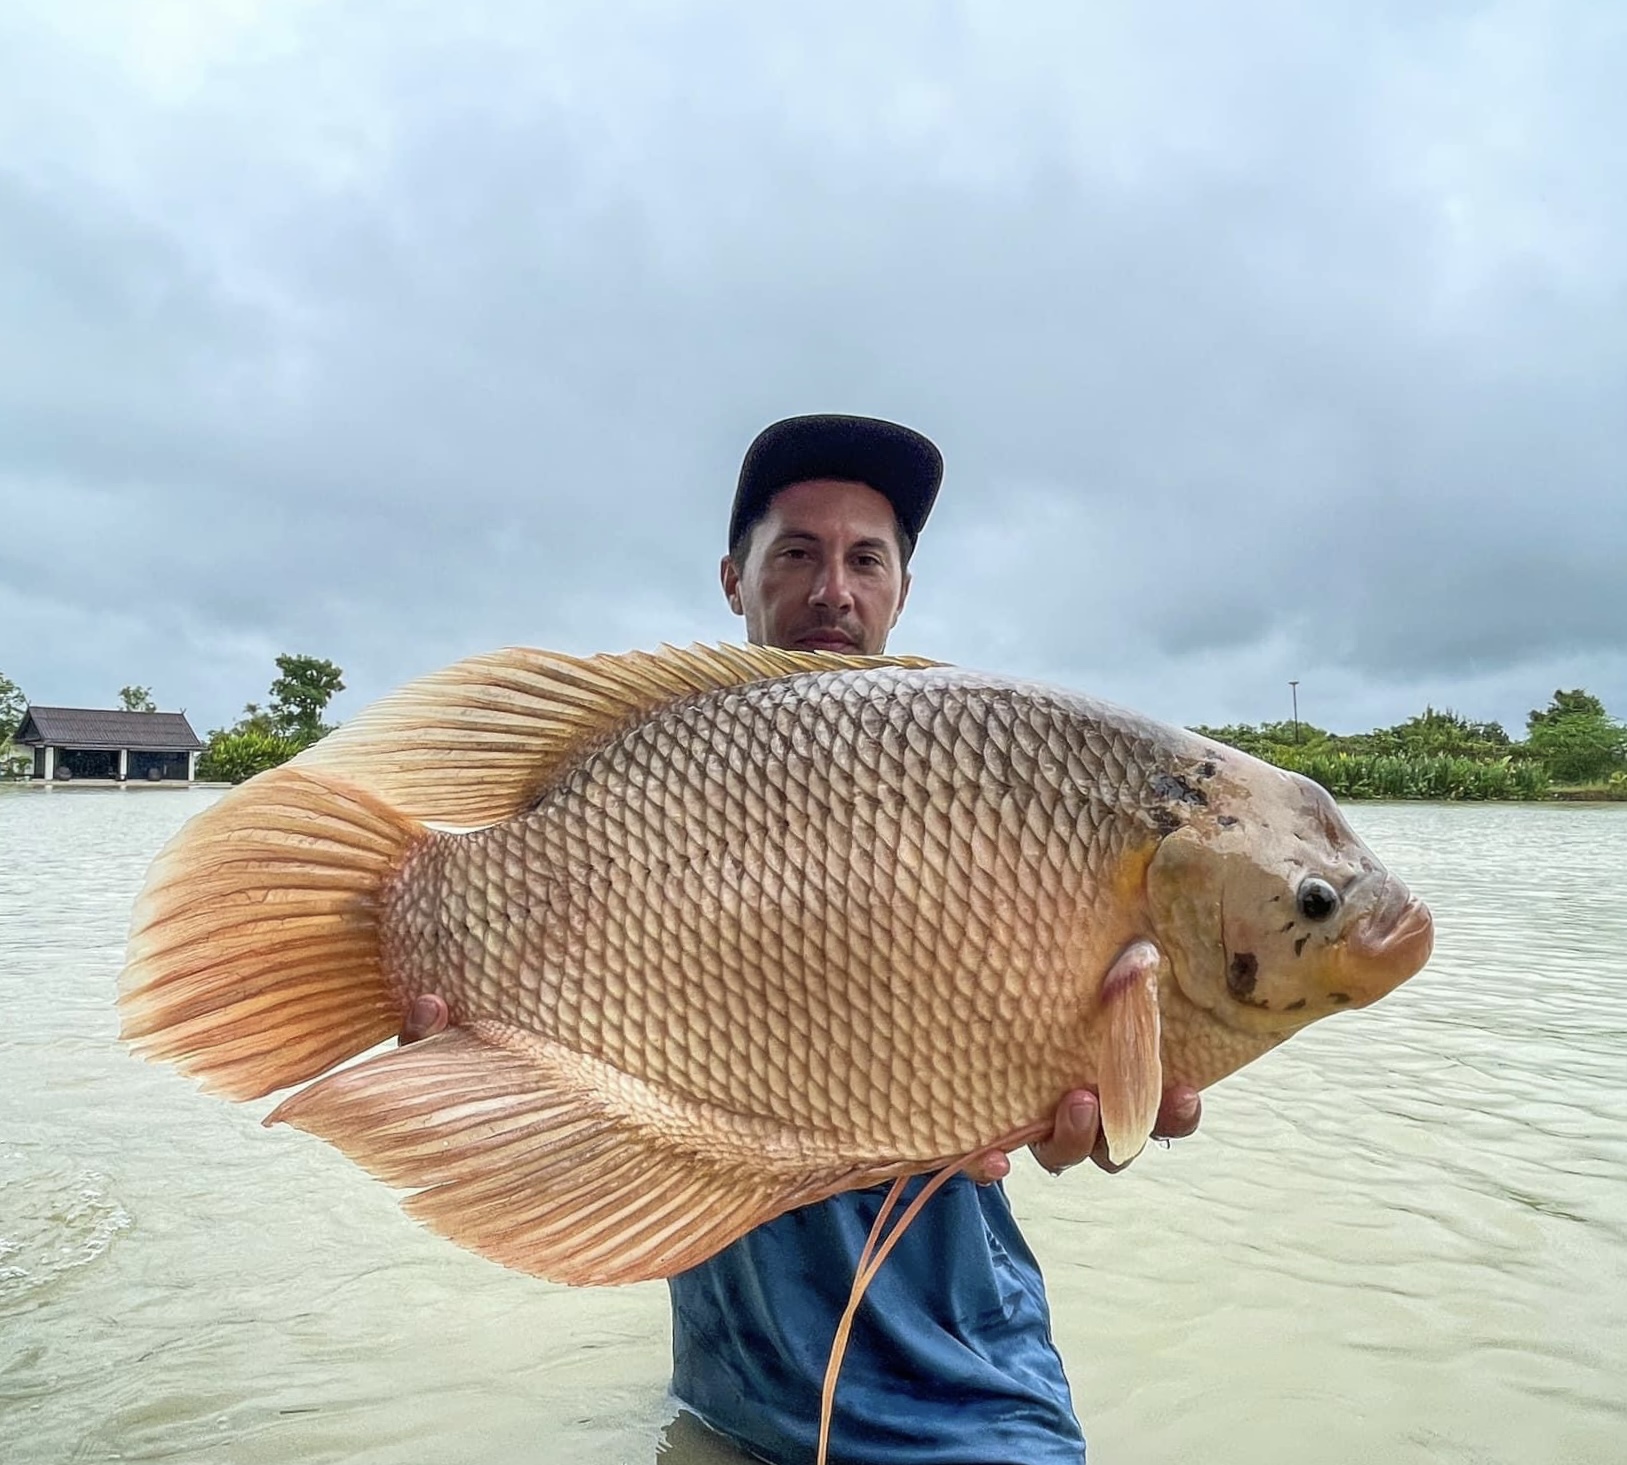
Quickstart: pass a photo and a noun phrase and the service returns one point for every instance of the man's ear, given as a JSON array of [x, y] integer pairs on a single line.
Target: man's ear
[[903, 595], [731, 585]]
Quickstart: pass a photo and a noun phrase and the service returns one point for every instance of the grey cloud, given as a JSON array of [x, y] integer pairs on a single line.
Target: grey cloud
[[1259, 345]]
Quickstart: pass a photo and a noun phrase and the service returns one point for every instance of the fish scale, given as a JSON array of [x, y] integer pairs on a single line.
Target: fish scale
[[647, 804]]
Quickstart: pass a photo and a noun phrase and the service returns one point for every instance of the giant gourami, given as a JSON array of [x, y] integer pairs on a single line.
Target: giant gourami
[[728, 930]]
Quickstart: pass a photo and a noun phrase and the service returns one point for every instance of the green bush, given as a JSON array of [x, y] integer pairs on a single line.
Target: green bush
[[239, 753]]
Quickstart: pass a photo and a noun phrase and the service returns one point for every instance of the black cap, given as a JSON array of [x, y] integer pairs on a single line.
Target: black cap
[[900, 464]]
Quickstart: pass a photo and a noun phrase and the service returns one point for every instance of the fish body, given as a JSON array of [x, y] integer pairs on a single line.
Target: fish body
[[725, 931]]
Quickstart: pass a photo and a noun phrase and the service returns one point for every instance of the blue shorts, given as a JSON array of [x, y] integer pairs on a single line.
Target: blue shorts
[[950, 1361]]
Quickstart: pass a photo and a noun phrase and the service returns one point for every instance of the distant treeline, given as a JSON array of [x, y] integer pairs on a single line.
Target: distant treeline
[[1572, 747]]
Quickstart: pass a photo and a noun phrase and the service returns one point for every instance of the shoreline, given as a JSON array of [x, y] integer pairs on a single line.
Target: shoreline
[[105, 785]]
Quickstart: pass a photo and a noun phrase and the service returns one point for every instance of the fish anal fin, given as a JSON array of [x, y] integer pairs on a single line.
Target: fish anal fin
[[1130, 1080], [554, 1163], [476, 742]]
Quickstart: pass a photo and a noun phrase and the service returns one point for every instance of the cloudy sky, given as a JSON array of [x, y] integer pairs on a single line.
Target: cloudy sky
[[1262, 341]]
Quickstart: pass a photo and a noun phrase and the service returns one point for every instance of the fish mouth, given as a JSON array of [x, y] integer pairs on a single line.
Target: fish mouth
[[1398, 935]]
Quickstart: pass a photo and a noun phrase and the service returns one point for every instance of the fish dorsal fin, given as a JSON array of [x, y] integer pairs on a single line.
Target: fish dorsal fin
[[477, 741]]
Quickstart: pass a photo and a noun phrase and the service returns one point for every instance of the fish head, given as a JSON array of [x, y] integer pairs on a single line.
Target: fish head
[[1273, 912]]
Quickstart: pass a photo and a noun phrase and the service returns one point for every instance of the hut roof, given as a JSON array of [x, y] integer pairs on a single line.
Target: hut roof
[[91, 727]]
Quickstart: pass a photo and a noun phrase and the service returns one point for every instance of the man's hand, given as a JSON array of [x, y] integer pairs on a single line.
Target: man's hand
[[1077, 1136], [426, 1017]]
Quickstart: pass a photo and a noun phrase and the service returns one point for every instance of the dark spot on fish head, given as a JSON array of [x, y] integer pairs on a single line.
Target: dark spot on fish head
[[1166, 821], [1338, 998], [1226, 821], [1206, 770], [1176, 789], [1240, 976], [1299, 946], [1286, 929], [1295, 1005]]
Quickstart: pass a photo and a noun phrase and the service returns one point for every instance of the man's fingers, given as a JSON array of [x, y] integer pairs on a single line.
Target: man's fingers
[[990, 1166], [1103, 1160], [1078, 1128], [426, 1017], [1179, 1113], [1078, 1135]]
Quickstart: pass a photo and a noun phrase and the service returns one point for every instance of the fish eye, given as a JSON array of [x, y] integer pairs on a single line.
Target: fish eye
[[1317, 899]]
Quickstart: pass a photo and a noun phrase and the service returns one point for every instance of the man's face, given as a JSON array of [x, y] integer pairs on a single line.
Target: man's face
[[823, 570]]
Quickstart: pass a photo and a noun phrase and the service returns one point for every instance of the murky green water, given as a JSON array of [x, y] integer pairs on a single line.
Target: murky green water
[[1401, 1238]]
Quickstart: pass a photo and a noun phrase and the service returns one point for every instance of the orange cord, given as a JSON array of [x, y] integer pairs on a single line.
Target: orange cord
[[893, 1193], [871, 1258]]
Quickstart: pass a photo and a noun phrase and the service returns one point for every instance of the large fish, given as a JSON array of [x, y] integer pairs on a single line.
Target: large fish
[[726, 931]]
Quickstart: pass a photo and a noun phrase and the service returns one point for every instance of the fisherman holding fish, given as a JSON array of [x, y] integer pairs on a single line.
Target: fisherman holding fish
[[704, 945], [950, 1360]]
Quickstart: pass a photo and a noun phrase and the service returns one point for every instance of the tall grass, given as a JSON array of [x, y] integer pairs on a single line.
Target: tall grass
[[1415, 775]]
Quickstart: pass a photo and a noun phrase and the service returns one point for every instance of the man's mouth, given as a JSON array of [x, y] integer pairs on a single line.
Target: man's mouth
[[826, 639]]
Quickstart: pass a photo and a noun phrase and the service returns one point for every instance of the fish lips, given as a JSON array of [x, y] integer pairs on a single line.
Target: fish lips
[[1397, 936]]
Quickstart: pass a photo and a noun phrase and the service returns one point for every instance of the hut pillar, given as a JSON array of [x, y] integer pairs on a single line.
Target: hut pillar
[[124, 764], [191, 767], [50, 764]]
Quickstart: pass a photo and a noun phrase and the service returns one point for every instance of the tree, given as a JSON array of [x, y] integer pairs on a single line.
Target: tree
[[137, 699], [13, 704], [1267, 739], [255, 716], [1577, 739], [264, 737], [301, 695], [1436, 732], [1566, 704]]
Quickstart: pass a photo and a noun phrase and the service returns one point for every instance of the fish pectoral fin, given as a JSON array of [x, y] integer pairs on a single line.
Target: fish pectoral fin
[[546, 1160], [478, 741], [1130, 1083]]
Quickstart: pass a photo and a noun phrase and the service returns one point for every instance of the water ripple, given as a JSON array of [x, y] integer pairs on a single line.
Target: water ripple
[[52, 1223], [1399, 1237]]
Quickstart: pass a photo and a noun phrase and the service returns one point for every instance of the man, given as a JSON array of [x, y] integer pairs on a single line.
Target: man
[[950, 1361]]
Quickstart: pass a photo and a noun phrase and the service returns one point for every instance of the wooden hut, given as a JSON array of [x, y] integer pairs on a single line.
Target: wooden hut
[[87, 744]]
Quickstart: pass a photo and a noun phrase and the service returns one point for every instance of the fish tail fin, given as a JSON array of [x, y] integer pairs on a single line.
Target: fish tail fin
[[254, 957]]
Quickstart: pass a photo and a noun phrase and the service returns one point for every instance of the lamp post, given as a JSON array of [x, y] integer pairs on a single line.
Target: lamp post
[[1294, 687]]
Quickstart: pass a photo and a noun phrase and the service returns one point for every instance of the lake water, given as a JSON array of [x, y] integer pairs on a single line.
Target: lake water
[[1403, 1237]]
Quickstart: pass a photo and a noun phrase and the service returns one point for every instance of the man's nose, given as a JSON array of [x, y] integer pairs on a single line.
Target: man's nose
[[833, 589]]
